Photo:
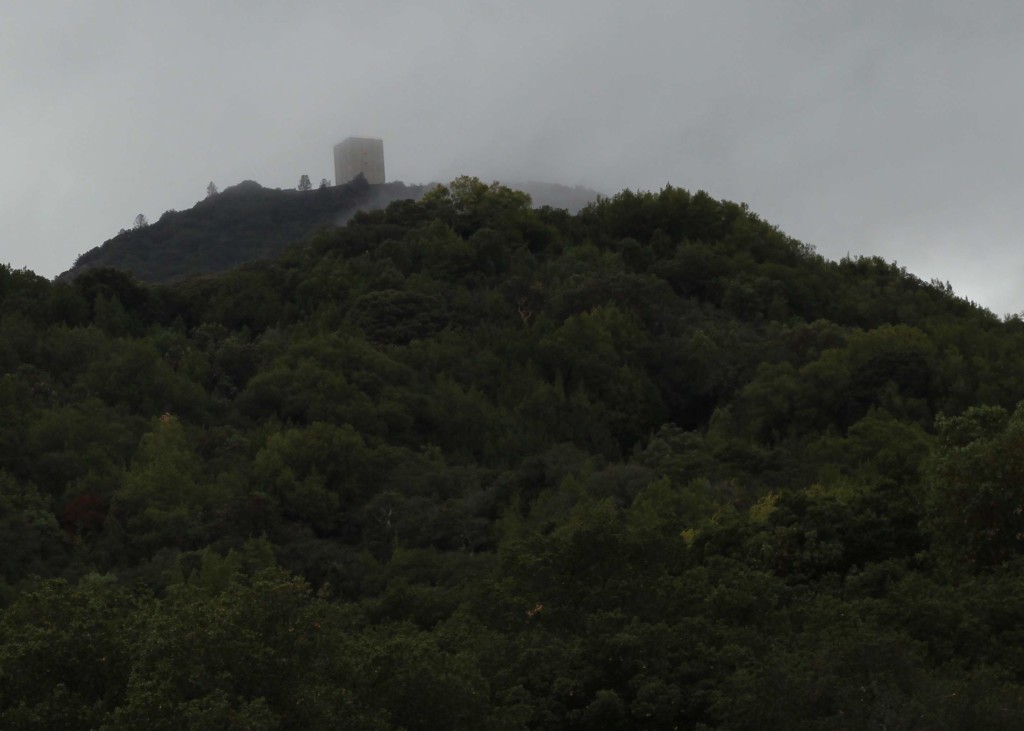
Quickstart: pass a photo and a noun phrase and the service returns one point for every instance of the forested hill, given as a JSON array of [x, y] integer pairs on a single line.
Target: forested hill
[[467, 464], [248, 222]]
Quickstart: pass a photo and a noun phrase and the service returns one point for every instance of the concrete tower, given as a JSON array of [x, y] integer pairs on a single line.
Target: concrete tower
[[359, 155]]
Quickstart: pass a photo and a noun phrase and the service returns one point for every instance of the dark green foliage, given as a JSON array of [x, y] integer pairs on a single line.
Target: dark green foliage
[[976, 487], [392, 316], [462, 463]]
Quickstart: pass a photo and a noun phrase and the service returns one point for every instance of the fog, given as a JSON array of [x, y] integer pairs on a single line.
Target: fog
[[867, 128]]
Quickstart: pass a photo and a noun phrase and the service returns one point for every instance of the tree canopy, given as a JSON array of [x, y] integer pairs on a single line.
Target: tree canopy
[[467, 463]]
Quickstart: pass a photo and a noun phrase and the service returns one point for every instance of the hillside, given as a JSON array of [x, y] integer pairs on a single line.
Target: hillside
[[466, 464], [242, 223], [247, 222]]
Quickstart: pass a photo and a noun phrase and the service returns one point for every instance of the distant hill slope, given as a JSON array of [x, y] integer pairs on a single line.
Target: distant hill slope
[[243, 223], [248, 222], [573, 199]]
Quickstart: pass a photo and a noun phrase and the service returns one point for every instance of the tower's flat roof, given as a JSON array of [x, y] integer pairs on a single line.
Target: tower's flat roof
[[360, 139]]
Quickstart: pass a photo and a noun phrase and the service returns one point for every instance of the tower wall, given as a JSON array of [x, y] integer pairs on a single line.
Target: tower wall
[[359, 155]]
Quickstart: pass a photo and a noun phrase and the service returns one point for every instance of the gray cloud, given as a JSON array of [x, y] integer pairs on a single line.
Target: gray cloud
[[862, 127]]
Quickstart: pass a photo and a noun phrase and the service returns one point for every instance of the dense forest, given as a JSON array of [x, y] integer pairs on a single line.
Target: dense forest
[[463, 463]]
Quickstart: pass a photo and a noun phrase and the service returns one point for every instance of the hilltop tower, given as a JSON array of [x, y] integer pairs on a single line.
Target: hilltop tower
[[359, 155]]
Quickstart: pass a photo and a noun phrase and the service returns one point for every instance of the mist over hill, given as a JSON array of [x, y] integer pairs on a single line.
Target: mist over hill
[[465, 463], [571, 198]]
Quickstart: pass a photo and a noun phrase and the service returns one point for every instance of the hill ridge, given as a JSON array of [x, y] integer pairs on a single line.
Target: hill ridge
[[247, 222]]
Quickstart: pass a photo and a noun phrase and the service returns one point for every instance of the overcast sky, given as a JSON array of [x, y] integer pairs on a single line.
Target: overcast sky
[[864, 127]]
